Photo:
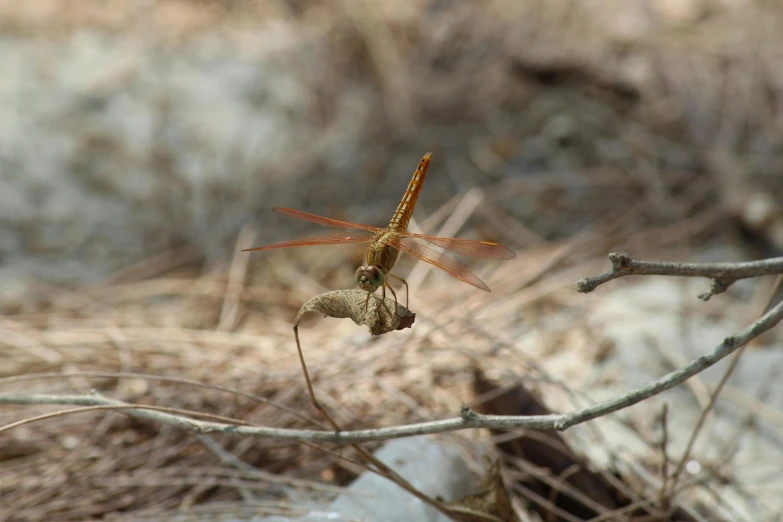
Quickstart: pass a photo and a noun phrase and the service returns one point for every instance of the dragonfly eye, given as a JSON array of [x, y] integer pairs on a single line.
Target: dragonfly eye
[[369, 278]]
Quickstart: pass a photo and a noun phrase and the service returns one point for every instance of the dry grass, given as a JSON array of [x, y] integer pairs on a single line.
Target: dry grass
[[560, 106], [169, 321], [586, 127]]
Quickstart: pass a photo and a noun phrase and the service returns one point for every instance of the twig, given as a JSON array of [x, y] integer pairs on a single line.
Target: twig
[[614, 515], [728, 346], [663, 499], [102, 403], [161, 378], [559, 484], [722, 275], [236, 279], [532, 496], [468, 418]]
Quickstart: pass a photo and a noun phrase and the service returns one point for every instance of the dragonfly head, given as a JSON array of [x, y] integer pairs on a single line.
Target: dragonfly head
[[369, 277]]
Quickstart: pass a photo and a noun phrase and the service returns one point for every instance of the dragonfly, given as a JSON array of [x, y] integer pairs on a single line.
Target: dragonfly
[[385, 244]]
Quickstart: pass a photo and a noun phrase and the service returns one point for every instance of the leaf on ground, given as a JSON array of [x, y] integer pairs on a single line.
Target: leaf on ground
[[378, 314], [492, 504]]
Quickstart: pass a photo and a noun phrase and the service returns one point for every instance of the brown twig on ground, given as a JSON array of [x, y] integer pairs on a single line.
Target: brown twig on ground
[[722, 275]]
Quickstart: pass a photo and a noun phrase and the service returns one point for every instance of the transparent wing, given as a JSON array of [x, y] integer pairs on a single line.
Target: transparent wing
[[442, 261], [298, 214], [468, 247], [329, 239]]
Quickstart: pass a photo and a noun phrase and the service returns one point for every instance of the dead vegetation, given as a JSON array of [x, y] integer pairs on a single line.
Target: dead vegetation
[[167, 325], [568, 130]]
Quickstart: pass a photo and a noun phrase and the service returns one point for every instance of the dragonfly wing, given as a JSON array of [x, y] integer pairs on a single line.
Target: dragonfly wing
[[298, 214], [435, 258], [330, 239], [469, 247]]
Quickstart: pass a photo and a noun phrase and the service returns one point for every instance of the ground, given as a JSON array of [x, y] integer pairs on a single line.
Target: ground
[[143, 146]]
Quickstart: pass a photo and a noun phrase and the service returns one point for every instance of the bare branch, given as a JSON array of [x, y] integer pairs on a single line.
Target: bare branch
[[467, 419], [722, 275], [713, 399], [727, 347]]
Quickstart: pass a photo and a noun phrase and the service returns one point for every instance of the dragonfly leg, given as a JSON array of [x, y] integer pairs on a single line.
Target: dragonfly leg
[[367, 304], [382, 299], [393, 293], [371, 294], [406, 287]]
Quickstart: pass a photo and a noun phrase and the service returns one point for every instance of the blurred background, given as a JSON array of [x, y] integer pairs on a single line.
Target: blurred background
[[143, 143]]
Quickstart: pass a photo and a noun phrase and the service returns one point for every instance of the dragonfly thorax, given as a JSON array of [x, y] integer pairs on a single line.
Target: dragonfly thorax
[[370, 277]]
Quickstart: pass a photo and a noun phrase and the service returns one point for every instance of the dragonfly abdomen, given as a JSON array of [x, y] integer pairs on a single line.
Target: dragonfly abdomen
[[402, 215]]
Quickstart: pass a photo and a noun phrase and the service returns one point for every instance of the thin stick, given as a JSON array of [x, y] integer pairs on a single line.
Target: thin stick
[[721, 274], [236, 279], [121, 406], [150, 377], [663, 498]]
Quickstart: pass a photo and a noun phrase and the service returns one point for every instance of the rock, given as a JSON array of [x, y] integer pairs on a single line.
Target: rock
[[434, 468]]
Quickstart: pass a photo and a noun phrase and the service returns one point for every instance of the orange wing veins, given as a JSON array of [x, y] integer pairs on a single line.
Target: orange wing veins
[[298, 214], [468, 247], [435, 258], [329, 239]]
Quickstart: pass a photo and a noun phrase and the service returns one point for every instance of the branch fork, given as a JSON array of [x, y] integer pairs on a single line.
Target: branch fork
[[721, 275]]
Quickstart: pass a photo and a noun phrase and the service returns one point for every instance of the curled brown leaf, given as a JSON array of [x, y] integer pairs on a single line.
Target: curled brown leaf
[[379, 315]]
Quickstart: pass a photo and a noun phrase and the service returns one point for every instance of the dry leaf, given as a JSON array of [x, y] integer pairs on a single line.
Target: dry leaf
[[378, 314], [493, 504]]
